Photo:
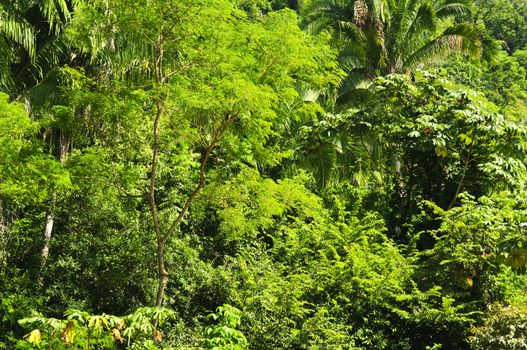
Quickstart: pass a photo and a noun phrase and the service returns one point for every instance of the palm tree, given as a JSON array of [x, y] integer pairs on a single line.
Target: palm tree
[[422, 31], [14, 31], [31, 46], [29, 31], [374, 38], [379, 37]]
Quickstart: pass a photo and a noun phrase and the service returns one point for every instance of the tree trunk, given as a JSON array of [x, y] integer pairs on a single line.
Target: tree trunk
[[62, 153], [47, 234], [162, 237], [3, 238], [163, 274]]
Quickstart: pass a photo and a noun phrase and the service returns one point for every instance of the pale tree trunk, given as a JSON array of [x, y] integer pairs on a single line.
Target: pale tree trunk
[[3, 238], [48, 229], [62, 153]]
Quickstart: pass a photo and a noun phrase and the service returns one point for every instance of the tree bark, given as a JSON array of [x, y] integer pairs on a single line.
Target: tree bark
[[3, 238], [48, 230], [163, 274], [62, 153], [462, 180], [163, 237]]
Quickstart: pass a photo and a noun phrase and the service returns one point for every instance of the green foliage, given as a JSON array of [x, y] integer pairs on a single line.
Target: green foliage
[[508, 24], [224, 335], [503, 82], [436, 140], [383, 37], [301, 278], [478, 243], [82, 330], [29, 39], [396, 224], [505, 328], [26, 173]]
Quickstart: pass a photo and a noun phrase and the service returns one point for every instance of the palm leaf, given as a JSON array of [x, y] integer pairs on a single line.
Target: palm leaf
[[458, 38], [449, 8], [15, 27], [48, 56], [56, 12]]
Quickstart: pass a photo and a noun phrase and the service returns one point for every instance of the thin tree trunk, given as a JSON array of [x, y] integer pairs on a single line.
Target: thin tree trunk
[[162, 237], [3, 238], [163, 274], [48, 230], [459, 185], [462, 180], [62, 153]]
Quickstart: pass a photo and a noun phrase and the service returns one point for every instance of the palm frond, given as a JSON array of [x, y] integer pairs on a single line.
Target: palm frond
[[352, 57], [458, 38], [355, 97], [454, 9], [424, 23], [317, 26], [405, 21], [6, 81], [464, 38], [48, 56], [449, 8], [490, 49], [56, 12], [15, 27], [383, 9]]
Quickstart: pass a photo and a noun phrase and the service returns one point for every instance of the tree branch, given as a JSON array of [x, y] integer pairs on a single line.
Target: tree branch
[[463, 174], [208, 151]]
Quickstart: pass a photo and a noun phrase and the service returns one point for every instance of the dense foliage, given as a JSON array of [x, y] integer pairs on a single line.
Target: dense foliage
[[263, 174]]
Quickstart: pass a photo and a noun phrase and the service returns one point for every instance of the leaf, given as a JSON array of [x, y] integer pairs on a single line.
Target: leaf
[[441, 151], [158, 337], [517, 258], [467, 139], [34, 337], [117, 335], [469, 282]]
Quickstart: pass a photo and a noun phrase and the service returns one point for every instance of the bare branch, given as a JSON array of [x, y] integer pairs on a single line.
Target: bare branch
[[208, 151]]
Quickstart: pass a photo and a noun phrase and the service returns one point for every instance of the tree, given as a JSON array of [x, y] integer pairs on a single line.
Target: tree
[[29, 32], [207, 91], [382, 37], [508, 24], [437, 140]]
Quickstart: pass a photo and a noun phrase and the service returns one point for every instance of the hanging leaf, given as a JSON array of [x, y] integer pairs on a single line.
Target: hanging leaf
[[35, 337], [117, 335]]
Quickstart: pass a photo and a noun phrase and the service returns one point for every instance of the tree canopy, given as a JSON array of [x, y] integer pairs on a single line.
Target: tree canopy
[[263, 174]]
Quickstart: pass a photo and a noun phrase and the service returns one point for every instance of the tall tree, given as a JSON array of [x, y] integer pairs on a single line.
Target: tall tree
[[509, 24], [29, 31], [214, 79], [382, 37]]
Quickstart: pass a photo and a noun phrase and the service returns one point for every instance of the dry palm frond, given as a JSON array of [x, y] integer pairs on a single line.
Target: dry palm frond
[[453, 42]]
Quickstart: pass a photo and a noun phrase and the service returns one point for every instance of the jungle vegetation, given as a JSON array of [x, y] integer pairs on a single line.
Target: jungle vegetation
[[263, 174]]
